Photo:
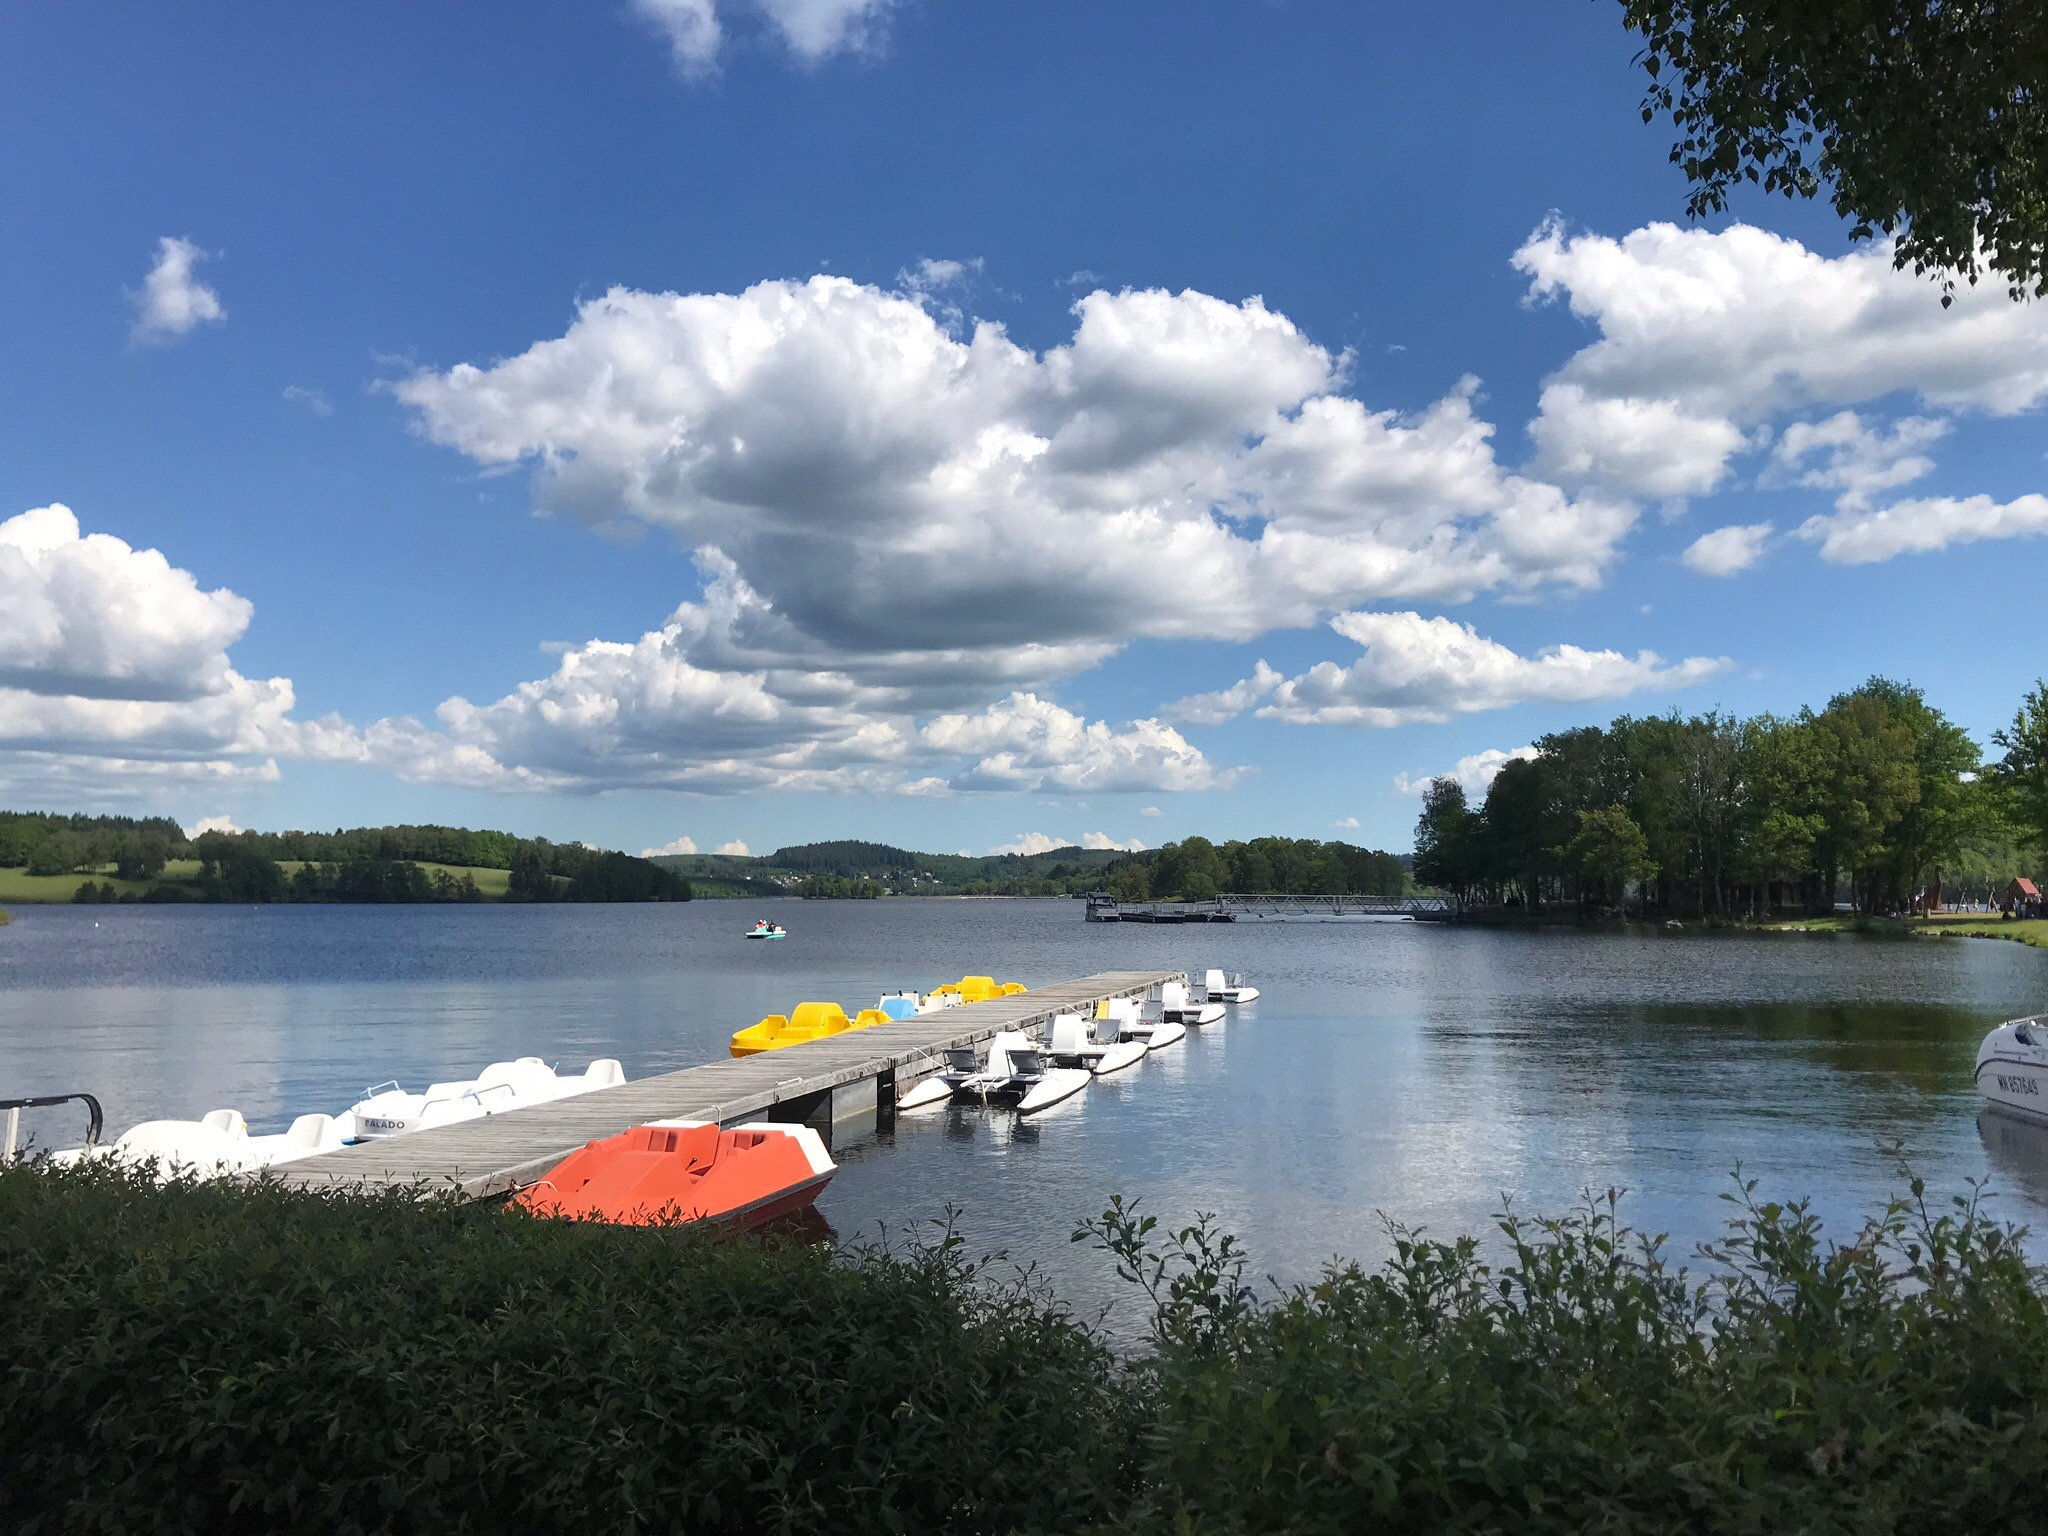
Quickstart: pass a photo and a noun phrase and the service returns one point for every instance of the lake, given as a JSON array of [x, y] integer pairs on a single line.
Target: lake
[[1410, 1071]]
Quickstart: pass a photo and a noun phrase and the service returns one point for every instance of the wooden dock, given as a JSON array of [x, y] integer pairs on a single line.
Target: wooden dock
[[500, 1153]]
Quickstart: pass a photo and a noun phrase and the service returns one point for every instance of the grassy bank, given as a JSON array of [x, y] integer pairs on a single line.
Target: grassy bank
[[18, 885], [246, 1360]]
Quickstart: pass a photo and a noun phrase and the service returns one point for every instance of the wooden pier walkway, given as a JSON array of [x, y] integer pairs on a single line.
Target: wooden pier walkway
[[501, 1153]]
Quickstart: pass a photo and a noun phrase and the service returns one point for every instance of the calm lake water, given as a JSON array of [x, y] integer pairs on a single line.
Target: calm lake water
[[1402, 1069]]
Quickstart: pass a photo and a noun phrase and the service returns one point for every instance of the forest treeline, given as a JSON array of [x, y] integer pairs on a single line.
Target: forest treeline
[[1877, 796], [1195, 869], [365, 864]]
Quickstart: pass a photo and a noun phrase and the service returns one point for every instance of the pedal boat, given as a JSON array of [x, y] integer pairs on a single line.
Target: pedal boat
[[217, 1145], [1153, 1034], [1015, 1072], [388, 1110], [1096, 1052], [1176, 1007], [2012, 1068], [767, 930], [1231, 989], [681, 1171], [807, 1021]]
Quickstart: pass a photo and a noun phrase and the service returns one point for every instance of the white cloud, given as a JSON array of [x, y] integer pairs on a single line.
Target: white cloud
[[1707, 335], [1345, 824], [1841, 454], [678, 846], [1860, 537], [1026, 742], [91, 616], [734, 849], [1725, 551], [817, 29], [1429, 669], [691, 28], [1102, 840], [172, 301], [812, 30], [1225, 703], [1150, 810], [839, 449], [311, 399], [207, 824], [1028, 843], [114, 672], [1475, 772]]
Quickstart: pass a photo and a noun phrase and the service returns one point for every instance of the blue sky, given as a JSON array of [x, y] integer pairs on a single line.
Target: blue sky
[[937, 423]]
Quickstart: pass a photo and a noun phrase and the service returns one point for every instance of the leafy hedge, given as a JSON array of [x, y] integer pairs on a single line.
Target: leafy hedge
[[196, 1358]]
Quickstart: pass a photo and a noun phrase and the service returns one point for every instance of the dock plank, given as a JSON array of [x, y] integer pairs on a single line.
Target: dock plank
[[500, 1153]]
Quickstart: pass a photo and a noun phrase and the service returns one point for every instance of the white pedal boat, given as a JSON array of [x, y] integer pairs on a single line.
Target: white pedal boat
[[1099, 1052], [2012, 1068], [217, 1145], [1153, 1034], [1015, 1072], [1231, 989], [1176, 1007], [388, 1110]]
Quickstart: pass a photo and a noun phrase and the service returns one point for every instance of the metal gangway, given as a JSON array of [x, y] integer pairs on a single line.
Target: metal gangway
[[1230, 906]]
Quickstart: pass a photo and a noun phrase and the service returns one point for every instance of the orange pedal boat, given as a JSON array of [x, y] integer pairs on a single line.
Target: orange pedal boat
[[687, 1170]]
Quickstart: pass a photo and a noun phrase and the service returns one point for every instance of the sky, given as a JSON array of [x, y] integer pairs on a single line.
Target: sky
[[722, 424]]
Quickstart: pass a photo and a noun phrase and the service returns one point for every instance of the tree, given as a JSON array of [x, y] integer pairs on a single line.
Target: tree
[[1609, 853], [1924, 119], [1444, 838], [2021, 776]]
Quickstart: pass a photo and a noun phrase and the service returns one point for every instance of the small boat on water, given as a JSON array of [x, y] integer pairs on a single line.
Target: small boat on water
[[217, 1145], [388, 1110], [807, 1021], [1153, 1034], [767, 930], [2012, 1067], [687, 1171], [900, 1005], [1098, 1051], [1176, 1007], [1015, 1072], [1231, 989]]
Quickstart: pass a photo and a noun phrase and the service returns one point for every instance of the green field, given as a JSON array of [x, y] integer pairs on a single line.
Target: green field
[[19, 886], [1947, 925]]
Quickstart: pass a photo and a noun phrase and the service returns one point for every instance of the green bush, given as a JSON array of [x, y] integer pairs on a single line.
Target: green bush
[[211, 1358], [207, 1358], [1897, 1384]]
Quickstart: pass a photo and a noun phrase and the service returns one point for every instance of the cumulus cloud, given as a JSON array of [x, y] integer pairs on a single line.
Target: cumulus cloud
[[1844, 455], [1150, 810], [114, 671], [1725, 551], [1345, 824], [1862, 537], [679, 845], [1026, 742], [839, 448], [734, 849], [207, 824], [1225, 703], [1418, 669], [1102, 840], [1707, 335], [1475, 773], [172, 301], [1028, 843]]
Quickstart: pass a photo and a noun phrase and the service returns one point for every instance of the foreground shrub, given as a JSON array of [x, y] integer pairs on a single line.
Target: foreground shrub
[[205, 1358], [235, 1360], [1898, 1384]]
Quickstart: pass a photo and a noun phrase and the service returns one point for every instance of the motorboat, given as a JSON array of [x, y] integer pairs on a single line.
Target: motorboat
[[767, 930], [1231, 989], [388, 1110], [217, 1145], [806, 1021], [2012, 1067], [687, 1171], [1074, 1044], [1176, 1007]]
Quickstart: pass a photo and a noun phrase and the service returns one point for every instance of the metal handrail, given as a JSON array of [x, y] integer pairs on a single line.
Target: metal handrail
[[14, 1107]]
